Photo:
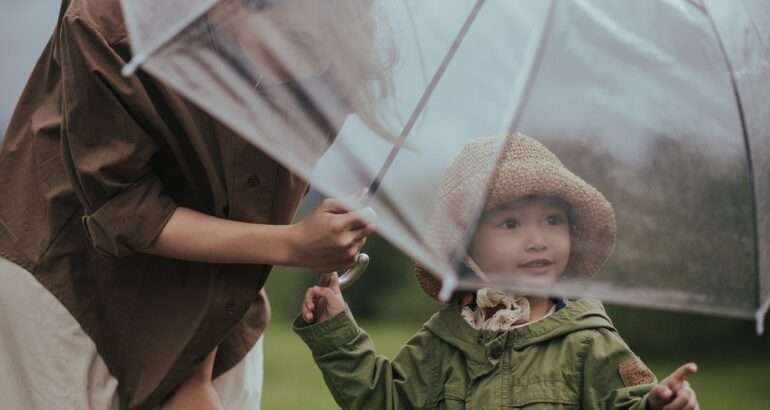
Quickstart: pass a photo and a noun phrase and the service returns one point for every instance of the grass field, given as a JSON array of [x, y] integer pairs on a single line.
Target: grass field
[[292, 381]]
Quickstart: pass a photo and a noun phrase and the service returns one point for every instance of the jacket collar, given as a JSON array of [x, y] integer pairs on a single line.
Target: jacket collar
[[483, 349]]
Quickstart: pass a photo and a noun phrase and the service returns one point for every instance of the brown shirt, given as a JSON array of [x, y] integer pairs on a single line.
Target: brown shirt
[[92, 167]]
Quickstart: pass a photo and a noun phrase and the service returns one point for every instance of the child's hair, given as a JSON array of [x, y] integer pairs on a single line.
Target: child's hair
[[509, 168]]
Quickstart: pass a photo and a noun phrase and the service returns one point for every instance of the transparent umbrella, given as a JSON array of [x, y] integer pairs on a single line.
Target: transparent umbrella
[[659, 104]]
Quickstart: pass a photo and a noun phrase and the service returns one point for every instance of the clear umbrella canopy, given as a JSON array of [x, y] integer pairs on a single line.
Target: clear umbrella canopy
[[659, 105]]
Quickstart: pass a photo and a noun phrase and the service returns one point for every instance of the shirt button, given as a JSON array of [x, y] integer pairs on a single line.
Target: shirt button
[[230, 307]]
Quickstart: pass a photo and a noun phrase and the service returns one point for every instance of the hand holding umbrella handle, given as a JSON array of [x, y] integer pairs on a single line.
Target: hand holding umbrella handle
[[362, 260], [351, 275]]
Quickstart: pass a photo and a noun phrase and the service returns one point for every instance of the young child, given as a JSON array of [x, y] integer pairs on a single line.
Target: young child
[[491, 349]]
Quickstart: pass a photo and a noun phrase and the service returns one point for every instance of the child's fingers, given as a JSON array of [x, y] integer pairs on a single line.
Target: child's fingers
[[307, 313], [316, 300], [325, 279], [331, 280], [325, 293], [334, 283], [685, 400], [659, 395], [676, 380], [308, 305], [309, 296]]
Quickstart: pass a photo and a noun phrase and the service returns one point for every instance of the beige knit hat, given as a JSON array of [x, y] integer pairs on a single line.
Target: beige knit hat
[[525, 167]]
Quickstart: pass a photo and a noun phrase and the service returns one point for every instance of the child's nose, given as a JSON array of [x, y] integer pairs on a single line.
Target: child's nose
[[535, 240], [536, 247]]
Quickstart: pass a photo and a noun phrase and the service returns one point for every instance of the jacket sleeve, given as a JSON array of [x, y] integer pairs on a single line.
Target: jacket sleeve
[[358, 378], [106, 145], [613, 377]]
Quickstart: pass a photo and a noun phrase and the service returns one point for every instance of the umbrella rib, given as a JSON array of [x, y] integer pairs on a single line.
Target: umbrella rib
[[536, 54], [747, 144], [374, 187], [140, 57]]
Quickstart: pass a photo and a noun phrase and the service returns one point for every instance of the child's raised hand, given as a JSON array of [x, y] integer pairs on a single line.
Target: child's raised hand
[[323, 302], [673, 392]]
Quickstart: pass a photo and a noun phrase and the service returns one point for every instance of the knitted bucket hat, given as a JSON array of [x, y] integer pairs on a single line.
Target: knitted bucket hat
[[523, 168]]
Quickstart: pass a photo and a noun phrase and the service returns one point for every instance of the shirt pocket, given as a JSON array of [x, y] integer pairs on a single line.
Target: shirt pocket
[[552, 392], [254, 171], [253, 181]]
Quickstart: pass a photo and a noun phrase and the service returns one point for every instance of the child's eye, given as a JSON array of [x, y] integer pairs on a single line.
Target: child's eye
[[509, 223], [555, 219]]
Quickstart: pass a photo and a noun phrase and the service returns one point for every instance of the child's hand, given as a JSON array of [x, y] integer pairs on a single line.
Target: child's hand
[[322, 303], [197, 392], [674, 392]]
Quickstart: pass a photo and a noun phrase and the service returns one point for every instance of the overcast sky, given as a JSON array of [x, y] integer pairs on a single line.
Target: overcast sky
[[24, 27]]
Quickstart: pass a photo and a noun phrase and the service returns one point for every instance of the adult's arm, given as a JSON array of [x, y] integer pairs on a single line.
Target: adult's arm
[[107, 147], [329, 238]]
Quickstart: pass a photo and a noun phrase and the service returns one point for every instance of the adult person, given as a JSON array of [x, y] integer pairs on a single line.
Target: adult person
[[136, 232]]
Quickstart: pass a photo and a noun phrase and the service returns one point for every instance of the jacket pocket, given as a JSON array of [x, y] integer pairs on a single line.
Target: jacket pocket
[[452, 403], [557, 393]]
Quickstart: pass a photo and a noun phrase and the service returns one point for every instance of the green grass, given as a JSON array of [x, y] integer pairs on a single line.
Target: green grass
[[292, 381]]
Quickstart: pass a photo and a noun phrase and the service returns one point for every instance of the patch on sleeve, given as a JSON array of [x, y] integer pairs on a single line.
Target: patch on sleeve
[[634, 372]]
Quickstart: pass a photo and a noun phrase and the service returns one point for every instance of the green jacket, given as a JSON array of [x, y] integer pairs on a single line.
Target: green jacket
[[573, 359]]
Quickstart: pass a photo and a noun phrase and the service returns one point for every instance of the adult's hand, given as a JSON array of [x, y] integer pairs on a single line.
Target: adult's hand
[[329, 238]]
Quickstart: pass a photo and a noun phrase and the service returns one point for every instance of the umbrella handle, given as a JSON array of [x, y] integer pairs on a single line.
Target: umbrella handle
[[354, 273]]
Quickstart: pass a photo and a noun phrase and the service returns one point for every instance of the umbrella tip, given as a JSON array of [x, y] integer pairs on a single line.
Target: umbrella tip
[[448, 285], [133, 65], [760, 317]]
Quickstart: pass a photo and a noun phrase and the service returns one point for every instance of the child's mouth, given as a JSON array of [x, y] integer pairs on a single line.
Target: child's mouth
[[537, 263]]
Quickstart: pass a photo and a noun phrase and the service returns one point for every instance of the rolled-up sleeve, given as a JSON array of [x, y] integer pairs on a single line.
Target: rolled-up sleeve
[[108, 144]]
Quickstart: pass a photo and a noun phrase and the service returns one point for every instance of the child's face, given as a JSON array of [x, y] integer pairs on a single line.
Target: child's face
[[529, 237]]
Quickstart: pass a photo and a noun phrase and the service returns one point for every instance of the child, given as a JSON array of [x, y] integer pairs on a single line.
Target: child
[[492, 349]]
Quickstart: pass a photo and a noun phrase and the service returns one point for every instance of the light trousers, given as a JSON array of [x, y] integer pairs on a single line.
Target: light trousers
[[48, 362]]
